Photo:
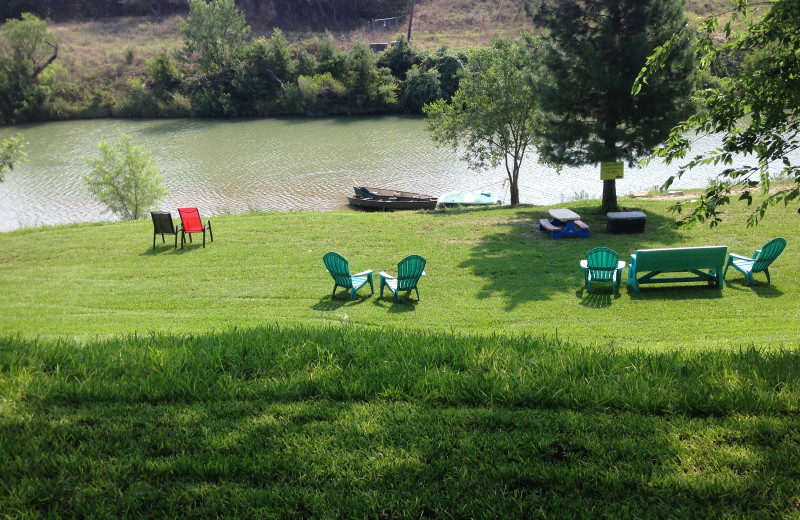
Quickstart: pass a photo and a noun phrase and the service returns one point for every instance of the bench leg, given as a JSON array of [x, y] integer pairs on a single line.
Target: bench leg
[[632, 279]]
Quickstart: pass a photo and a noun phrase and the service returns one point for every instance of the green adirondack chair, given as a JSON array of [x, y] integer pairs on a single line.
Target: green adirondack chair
[[760, 261], [602, 265], [339, 269], [409, 271]]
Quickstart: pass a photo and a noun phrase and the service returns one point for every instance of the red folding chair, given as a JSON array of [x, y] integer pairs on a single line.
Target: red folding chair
[[190, 220]]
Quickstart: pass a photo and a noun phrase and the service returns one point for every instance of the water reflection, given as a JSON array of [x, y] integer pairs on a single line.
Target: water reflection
[[234, 166]]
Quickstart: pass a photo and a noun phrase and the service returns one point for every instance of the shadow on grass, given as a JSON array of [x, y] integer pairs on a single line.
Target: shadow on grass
[[761, 289], [342, 299], [230, 457], [522, 264], [170, 249], [596, 299], [697, 291], [402, 305], [160, 249]]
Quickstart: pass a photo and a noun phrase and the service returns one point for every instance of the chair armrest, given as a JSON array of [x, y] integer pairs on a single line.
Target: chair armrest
[[362, 273], [621, 265], [384, 274], [584, 264], [740, 257], [755, 255], [424, 274]]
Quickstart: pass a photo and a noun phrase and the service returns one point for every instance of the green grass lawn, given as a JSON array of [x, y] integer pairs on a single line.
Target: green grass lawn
[[225, 381], [488, 271]]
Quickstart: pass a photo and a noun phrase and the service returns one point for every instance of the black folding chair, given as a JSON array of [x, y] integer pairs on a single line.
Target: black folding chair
[[162, 225]]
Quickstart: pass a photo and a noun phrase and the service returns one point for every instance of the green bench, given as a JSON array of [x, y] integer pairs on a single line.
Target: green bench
[[705, 264]]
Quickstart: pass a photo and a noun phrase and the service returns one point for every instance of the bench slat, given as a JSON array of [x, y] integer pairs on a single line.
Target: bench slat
[[546, 225]]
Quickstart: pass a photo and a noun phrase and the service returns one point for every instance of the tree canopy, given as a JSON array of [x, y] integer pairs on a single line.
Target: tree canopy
[[756, 108], [214, 33], [26, 49], [596, 49], [492, 117]]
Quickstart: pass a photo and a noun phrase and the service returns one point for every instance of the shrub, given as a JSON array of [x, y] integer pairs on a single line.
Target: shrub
[[421, 87], [124, 178]]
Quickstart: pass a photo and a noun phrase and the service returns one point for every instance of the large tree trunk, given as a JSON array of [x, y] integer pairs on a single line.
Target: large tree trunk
[[512, 172], [610, 195], [514, 189], [611, 123]]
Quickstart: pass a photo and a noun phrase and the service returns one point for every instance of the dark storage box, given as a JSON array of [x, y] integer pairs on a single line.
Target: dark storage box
[[625, 222]]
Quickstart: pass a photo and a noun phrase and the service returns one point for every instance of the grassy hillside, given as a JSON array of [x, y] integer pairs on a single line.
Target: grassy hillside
[[489, 272], [100, 61], [225, 381]]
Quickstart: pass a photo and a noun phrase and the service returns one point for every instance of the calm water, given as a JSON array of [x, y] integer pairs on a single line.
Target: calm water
[[234, 166]]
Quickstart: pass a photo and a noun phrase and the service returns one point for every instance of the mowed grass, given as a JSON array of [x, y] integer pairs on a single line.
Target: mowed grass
[[489, 271], [225, 381]]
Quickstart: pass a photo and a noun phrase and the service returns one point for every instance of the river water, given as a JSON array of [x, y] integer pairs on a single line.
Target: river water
[[235, 166]]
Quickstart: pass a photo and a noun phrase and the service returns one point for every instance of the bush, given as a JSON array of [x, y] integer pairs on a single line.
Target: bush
[[421, 87], [124, 178], [399, 58], [165, 77]]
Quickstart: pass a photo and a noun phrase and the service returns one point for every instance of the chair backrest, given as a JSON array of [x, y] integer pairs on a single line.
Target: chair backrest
[[339, 268], [769, 253], [409, 270], [162, 222], [190, 218], [602, 263]]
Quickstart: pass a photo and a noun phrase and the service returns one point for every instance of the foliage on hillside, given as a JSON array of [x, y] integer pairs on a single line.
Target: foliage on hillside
[[127, 66], [218, 71]]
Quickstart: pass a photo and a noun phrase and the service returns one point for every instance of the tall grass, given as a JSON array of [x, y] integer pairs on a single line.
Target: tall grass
[[347, 422], [349, 363]]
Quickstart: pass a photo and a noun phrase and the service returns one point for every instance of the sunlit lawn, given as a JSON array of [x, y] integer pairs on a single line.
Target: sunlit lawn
[[488, 271]]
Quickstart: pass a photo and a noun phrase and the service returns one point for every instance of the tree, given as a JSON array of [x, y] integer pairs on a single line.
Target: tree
[[215, 38], [492, 117], [27, 41], [214, 34], [124, 178], [421, 87], [26, 49], [756, 109], [597, 48], [399, 58], [331, 59], [369, 87], [10, 153]]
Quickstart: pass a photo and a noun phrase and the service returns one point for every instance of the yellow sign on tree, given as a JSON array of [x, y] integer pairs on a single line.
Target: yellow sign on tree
[[610, 171]]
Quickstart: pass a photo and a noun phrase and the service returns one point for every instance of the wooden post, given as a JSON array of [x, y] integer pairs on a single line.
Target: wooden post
[[410, 19]]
